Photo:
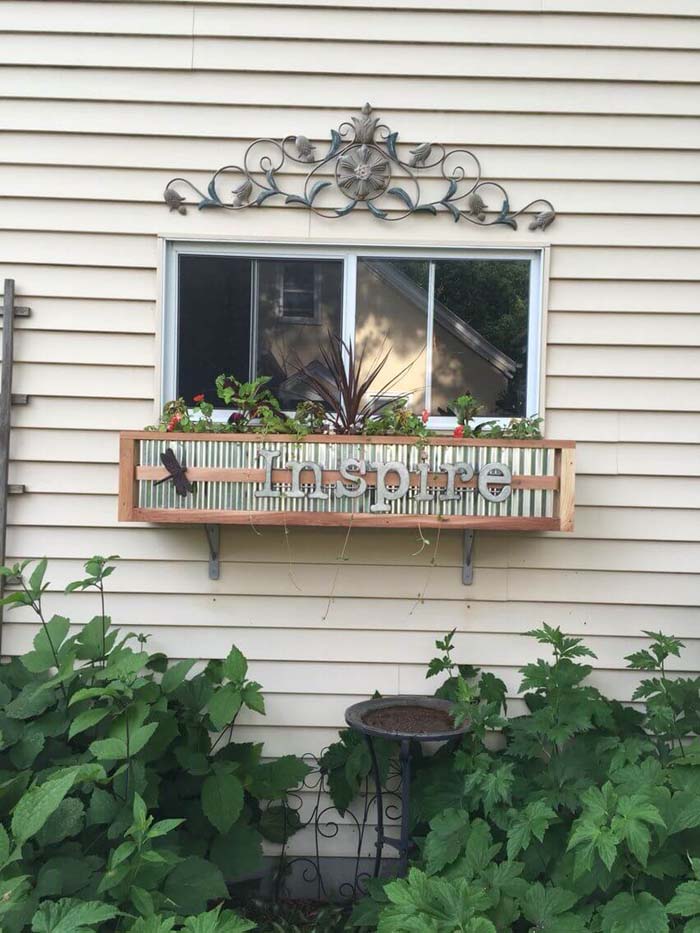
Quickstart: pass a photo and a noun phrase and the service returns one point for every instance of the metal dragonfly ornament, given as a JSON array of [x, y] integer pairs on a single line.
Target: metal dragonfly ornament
[[176, 472]]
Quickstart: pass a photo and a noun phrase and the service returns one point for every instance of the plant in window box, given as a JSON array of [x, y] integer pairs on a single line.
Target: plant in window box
[[180, 417], [251, 400], [396, 419], [516, 429], [344, 387]]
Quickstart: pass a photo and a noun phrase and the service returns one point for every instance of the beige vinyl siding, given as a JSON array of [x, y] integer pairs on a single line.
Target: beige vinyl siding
[[594, 104]]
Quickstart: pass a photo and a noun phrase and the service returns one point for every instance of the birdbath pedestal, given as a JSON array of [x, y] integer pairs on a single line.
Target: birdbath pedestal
[[402, 719]]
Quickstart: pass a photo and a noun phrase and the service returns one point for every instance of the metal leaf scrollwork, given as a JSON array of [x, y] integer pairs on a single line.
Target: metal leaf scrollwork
[[362, 164]]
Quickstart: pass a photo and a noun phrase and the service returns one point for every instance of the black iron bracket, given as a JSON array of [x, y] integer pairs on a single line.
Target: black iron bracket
[[468, 557], [213, 533]]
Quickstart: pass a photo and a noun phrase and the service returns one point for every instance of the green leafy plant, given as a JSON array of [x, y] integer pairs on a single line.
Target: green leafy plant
[[125, 800], [515, 429], [584, 817], [464, 408], [250, 400], [395, 418], [182, 418]]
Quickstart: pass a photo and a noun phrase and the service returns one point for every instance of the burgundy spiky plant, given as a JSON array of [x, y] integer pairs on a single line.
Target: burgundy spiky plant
[[344, 388]]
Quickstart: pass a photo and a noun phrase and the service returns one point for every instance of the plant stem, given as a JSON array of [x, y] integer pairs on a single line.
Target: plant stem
[[102, 605], [36, 606]]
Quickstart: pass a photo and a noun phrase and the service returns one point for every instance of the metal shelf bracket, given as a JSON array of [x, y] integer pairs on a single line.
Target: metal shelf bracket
[[213, 533], [467, 557]]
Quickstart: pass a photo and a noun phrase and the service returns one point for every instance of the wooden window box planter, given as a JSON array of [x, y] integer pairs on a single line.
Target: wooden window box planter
[[388, 482]]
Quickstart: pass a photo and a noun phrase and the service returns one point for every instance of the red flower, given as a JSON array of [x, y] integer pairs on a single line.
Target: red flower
[[198, 398], [425, 415], [176, 418], [459, 431]]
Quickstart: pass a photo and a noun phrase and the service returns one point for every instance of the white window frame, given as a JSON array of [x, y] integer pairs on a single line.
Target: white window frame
[[349, 253]]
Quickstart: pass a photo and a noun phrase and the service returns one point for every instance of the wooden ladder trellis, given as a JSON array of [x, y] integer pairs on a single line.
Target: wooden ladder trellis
[[9, 312]]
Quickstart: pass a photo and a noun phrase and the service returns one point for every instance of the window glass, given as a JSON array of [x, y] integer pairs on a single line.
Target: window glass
[[392, 316], [214, 322], [480, 334], [236, 310], [447, 326], [299, 303]]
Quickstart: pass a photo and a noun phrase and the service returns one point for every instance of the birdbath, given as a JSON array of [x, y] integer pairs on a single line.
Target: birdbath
[[402, 719]]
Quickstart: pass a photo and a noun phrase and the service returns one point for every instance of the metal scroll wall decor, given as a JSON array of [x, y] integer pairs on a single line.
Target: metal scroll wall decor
[[362, 164]]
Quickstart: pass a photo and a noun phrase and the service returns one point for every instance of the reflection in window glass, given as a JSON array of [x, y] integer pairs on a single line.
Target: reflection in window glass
[[214, 322], [480, 334], [299, 303], [234, 309], [392, 315]]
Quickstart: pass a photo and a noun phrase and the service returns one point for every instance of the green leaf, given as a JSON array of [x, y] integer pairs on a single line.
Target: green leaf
[[109, 749], [633, 813], [629, 913], [65, 875], [66, 821], [253, 698], [684, 812], [193, 883], [103, 807], [71, 916], [94, 640], [235, 666], [534, 820], [152, 925], [163, 827], [23, 754], [37, 578], [142, 901], [139, 738], [544, 907], [31, 701], [121, 853], [272, 780], [175, 675], [214, 921], [222, 800], [86, 720], [13, 893], [239, 851], [224, 705], [37, 805], [4, 846], [686, 900], [422, 904], [42, 658], [446, 839], [278, 822], [477, 858]]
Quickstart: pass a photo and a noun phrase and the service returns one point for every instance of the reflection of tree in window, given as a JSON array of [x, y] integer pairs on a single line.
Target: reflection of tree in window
[[492, 298]]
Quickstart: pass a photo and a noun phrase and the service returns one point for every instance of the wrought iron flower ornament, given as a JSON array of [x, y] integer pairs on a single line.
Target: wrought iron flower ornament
[[363, 173], [359, 164]]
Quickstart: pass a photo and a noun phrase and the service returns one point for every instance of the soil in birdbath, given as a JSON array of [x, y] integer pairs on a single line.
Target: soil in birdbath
[[410, 720]]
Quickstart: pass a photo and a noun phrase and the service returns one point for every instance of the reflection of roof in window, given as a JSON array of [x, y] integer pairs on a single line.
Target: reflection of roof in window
[[393, 275]]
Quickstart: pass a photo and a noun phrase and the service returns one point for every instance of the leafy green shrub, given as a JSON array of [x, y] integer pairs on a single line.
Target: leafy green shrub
[[586, 821], [119, 810]]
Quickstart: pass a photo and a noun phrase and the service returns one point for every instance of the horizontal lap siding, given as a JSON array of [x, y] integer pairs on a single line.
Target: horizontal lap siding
[[574, 101]]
